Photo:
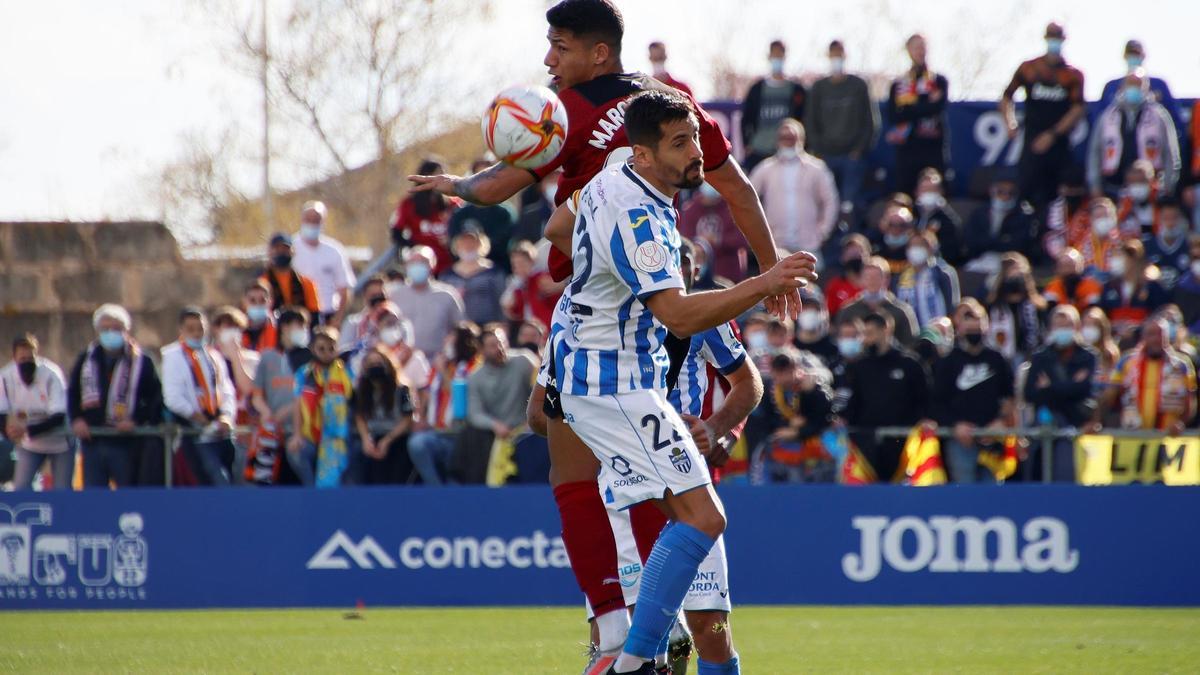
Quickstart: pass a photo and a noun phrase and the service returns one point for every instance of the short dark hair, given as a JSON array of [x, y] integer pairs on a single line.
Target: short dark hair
[[599, 20], [879, 319], [258, 285], [782, 361], [777, 44], [294, 315], [191, 312], [26, 341], [648, 111], [836, 44]]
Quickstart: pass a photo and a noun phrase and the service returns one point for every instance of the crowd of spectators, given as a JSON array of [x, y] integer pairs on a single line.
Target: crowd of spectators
[[1069, 297]]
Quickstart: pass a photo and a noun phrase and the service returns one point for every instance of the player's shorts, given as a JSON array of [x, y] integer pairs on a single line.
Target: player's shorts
[[644, 447], [709, 590]]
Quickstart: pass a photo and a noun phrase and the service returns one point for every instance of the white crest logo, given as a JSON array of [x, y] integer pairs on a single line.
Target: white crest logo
[[365, 554]]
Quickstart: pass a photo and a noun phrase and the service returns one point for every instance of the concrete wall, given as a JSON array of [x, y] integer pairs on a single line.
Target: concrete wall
[[53, 275]]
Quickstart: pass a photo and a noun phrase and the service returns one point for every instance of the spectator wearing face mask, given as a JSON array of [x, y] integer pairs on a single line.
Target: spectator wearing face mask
[[1153, 386], [928, 285], [812, 330], [319, 447], [1167, 249], [1138, 207], [1053, 106], [916, 109], [769, 101], [423, 219], [887, 387], [1069, 286], [841, 289], [33, 415], [1133, 127], [1060, 381], [274, 397], [797, 192], [360, 324], [1187, 291], [323, 259], [114, 384], [229, 327], [935, 214], [480, 283], [1101, 240], [1130, 296], [261, 332], [1015, 309], [494, 222], [972, 389], [388, 330], [434, 437], [849, 347], [289, 288], [1096, 333], [383, 417], [1006, 223], [875, 297], [895, 230], [842, 123], [1135, 59], [200, 393], [531, 292], [706, 217], [658, 68], [434, 308], [1177, 333]]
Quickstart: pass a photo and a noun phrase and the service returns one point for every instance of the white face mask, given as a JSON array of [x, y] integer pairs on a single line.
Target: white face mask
[[1139, 192], [310, 232], [787, 152], [1117, 266], [917, 256], [391, 335], [809, 320], [468, 256], [1091, 334], [1196, 268], [230, 336], [929, 200], [1102, 226], [658, 67], [299, 338], [837, 65], [393, 288]]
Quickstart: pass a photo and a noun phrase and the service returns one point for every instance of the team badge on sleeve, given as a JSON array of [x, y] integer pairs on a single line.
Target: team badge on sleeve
[[650, 257]]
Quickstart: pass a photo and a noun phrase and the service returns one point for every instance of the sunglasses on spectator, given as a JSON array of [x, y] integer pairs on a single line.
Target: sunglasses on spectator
[[376, 300]]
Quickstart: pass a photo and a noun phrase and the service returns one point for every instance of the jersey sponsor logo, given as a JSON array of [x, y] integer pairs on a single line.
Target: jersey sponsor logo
[[650, 257], [1046, 92], [949, 544], [638, 223], [680, 460], [974, 374], [620, 465], [629, 574]]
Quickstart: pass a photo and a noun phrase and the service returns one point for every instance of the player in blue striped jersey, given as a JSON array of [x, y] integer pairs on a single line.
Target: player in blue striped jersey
[[610, 363]]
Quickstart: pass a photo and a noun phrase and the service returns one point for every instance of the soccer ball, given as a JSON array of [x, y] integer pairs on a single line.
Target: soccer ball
[[525, 126]]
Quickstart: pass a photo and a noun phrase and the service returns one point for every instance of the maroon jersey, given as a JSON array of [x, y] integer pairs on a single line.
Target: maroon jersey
[[596, 137], [596, 130]]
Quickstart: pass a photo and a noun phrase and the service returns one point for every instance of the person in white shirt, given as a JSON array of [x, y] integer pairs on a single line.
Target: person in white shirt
[[33, 413], [797, 191], [323, 259], [434, 308], [198, 389]]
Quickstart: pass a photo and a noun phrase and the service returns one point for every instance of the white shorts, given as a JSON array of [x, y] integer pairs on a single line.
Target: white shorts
[[643, 446], [709, 590]]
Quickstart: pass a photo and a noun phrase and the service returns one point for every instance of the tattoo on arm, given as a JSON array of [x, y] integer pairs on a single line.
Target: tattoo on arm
[[468, 187]]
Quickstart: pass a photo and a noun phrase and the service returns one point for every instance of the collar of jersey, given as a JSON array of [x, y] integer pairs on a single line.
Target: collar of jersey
[[647, 188]]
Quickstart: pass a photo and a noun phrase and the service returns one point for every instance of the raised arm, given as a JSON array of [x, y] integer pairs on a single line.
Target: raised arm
[[491, 186]]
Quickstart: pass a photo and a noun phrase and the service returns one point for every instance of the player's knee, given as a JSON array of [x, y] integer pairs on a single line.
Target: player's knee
[[710, 522], [710, 631]]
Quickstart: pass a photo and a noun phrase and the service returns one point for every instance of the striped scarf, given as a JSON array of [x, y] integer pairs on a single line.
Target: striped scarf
[[122, 382], [325, 417]]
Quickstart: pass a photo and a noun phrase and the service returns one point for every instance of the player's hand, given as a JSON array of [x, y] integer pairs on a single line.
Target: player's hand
[[790, 274], [1042, 143], [963, 433], [720, 452], [702, 434], [785, 305], [443, 183], [125, 425]]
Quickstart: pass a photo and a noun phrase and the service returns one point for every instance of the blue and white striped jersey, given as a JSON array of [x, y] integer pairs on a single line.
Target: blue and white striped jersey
[[718, 346], [625, 248]]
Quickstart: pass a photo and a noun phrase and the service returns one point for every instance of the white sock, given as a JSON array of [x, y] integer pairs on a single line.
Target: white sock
[[613, 628], [627, 663]]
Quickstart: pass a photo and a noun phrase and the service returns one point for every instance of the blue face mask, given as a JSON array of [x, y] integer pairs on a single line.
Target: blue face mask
[[257, 313], [1062, 337], [1054, 46], [1003, 204], [1133, 61], [112, 340], [896, 240], [194, 343], [1133, 94], [418, 273], [849, 347]]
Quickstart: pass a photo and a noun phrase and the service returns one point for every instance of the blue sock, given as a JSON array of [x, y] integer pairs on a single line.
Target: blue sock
[[668, 573], [664, 645], [730, 667]]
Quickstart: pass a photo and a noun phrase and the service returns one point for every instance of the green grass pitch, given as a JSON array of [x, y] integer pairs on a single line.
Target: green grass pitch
[[541, 640]]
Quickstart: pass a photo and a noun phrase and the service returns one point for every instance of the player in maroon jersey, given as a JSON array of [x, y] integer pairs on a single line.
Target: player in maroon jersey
[[584, 59]]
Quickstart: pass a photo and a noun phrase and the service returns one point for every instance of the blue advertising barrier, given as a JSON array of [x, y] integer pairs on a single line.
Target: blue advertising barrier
[[978, 137], [1065, 544]]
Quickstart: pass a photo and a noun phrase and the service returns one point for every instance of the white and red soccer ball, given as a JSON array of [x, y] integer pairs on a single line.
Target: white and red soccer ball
[[525, 126]]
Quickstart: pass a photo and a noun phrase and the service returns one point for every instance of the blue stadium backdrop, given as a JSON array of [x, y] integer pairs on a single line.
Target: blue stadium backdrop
[[1062, 544]]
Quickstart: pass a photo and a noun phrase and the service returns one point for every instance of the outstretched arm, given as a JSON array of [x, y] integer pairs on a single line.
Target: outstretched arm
[[490, 186], [747, 211]]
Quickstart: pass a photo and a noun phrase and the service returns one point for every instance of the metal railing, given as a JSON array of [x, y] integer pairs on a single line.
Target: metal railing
[[1044, 435]]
